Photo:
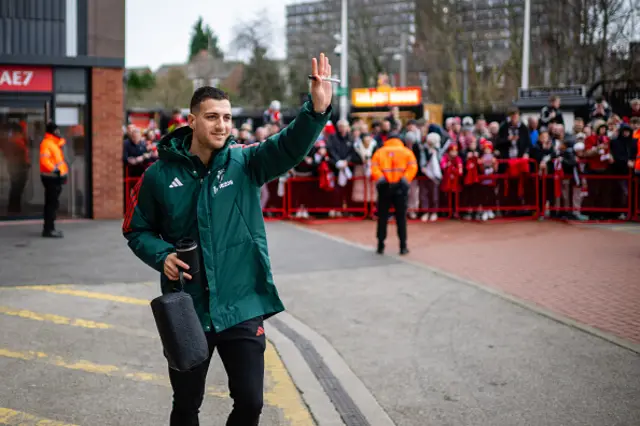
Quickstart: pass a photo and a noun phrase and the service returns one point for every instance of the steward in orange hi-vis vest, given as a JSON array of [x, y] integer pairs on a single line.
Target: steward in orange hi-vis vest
[[52, 161], [394, 161], [393, 167], [53, 173]]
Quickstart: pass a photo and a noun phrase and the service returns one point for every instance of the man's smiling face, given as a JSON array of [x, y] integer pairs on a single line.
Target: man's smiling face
[[211, 122]]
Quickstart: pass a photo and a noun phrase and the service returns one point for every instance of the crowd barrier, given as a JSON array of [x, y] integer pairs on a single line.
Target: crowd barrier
[[592, 194], [636, 215], [443, 208], [530, 193], [275, 206], [305, 195], [513, 189]]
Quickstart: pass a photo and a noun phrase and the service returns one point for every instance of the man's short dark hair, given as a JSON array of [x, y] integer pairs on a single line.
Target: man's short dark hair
[[204, 93], [51, 127], [513, 110]]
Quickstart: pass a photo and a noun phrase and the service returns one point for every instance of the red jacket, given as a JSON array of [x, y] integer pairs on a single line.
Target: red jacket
[[597, 161], [451, 172]]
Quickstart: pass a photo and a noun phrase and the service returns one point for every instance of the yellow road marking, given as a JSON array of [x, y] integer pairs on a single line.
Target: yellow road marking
[[56, 319], [75, 322], [103, 369], [66, 290], [18, 418], [284, 394]]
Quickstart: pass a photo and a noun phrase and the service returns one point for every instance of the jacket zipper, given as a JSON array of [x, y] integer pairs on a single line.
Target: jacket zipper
[[208, 210]]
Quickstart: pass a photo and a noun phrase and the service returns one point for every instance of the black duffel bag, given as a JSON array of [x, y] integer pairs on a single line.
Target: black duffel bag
[[183, 339]]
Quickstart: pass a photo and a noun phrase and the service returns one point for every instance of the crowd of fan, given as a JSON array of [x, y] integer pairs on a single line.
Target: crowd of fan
[[463, 156]]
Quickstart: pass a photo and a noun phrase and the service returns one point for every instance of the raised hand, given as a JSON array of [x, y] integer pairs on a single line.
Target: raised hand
[[321, 90]]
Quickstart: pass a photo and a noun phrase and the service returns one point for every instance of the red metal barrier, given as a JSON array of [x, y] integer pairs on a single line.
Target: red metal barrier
[[304, 195], [444, 207], [515, 188], [636, 215], [276, 205], [497, 192], [598, 194], [445, 200]]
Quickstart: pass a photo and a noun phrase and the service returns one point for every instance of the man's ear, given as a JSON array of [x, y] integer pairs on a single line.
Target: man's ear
[[191, 118]]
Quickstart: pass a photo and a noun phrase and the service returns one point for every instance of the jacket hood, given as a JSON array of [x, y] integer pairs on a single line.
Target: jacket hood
[[176, 140], [55, 139], [433, 128], [394, 141], [623, 127]]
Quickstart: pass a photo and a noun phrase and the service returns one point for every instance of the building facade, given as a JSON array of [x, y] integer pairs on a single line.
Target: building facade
[[494, 28], [62, 61], [475, 47], [375, 29]]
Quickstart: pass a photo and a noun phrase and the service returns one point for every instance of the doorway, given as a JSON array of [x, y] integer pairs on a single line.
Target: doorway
[[22, 127]]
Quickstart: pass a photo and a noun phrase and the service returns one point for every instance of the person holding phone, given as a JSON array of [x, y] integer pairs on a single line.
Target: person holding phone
[[205, 186]]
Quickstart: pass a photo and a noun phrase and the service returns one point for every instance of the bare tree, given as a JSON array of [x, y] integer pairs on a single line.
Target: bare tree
[[367, 46], [572, 42], [263, 80], [434, 50], [373, 32], [173, 90]]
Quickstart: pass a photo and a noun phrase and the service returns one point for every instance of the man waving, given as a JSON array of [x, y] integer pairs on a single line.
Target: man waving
[[205, 187]]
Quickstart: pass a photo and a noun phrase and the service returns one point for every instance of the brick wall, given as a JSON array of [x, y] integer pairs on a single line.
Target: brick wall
[[107, 118]]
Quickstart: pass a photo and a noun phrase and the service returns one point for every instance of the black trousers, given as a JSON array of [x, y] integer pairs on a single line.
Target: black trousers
[[396, 195], [52, 190], [241, 350]]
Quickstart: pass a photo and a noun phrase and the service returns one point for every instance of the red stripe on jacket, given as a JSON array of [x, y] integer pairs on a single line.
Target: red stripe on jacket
[[131, 206]]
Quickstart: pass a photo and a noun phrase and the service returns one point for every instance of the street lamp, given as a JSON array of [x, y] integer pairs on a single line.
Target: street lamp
[[344, 62], [526, 38]]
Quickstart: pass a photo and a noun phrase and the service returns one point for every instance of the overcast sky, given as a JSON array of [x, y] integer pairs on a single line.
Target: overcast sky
[[158, 32]]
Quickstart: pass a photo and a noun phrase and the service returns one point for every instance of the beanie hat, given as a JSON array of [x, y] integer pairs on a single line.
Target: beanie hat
[[51, 127]]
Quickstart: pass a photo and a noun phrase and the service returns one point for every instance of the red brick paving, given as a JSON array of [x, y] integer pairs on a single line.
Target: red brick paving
[[589, 275]]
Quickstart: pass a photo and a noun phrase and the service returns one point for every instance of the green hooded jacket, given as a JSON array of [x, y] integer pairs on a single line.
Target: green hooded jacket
[[219, 207]]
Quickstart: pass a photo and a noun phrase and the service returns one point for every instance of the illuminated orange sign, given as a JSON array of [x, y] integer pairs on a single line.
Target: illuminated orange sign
[[393, 96]]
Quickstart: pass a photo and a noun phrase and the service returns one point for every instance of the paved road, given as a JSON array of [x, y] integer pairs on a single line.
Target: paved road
[[433, 351], [88, 353], [586, 272], [78, 356]]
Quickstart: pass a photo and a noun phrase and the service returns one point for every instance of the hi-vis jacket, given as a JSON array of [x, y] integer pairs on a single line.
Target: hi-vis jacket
[[52, 157], [219, 207], [394, 161]]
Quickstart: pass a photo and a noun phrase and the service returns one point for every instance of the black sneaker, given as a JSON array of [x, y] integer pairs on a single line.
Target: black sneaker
[[404, 251], [52, 234], [380, 249]]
